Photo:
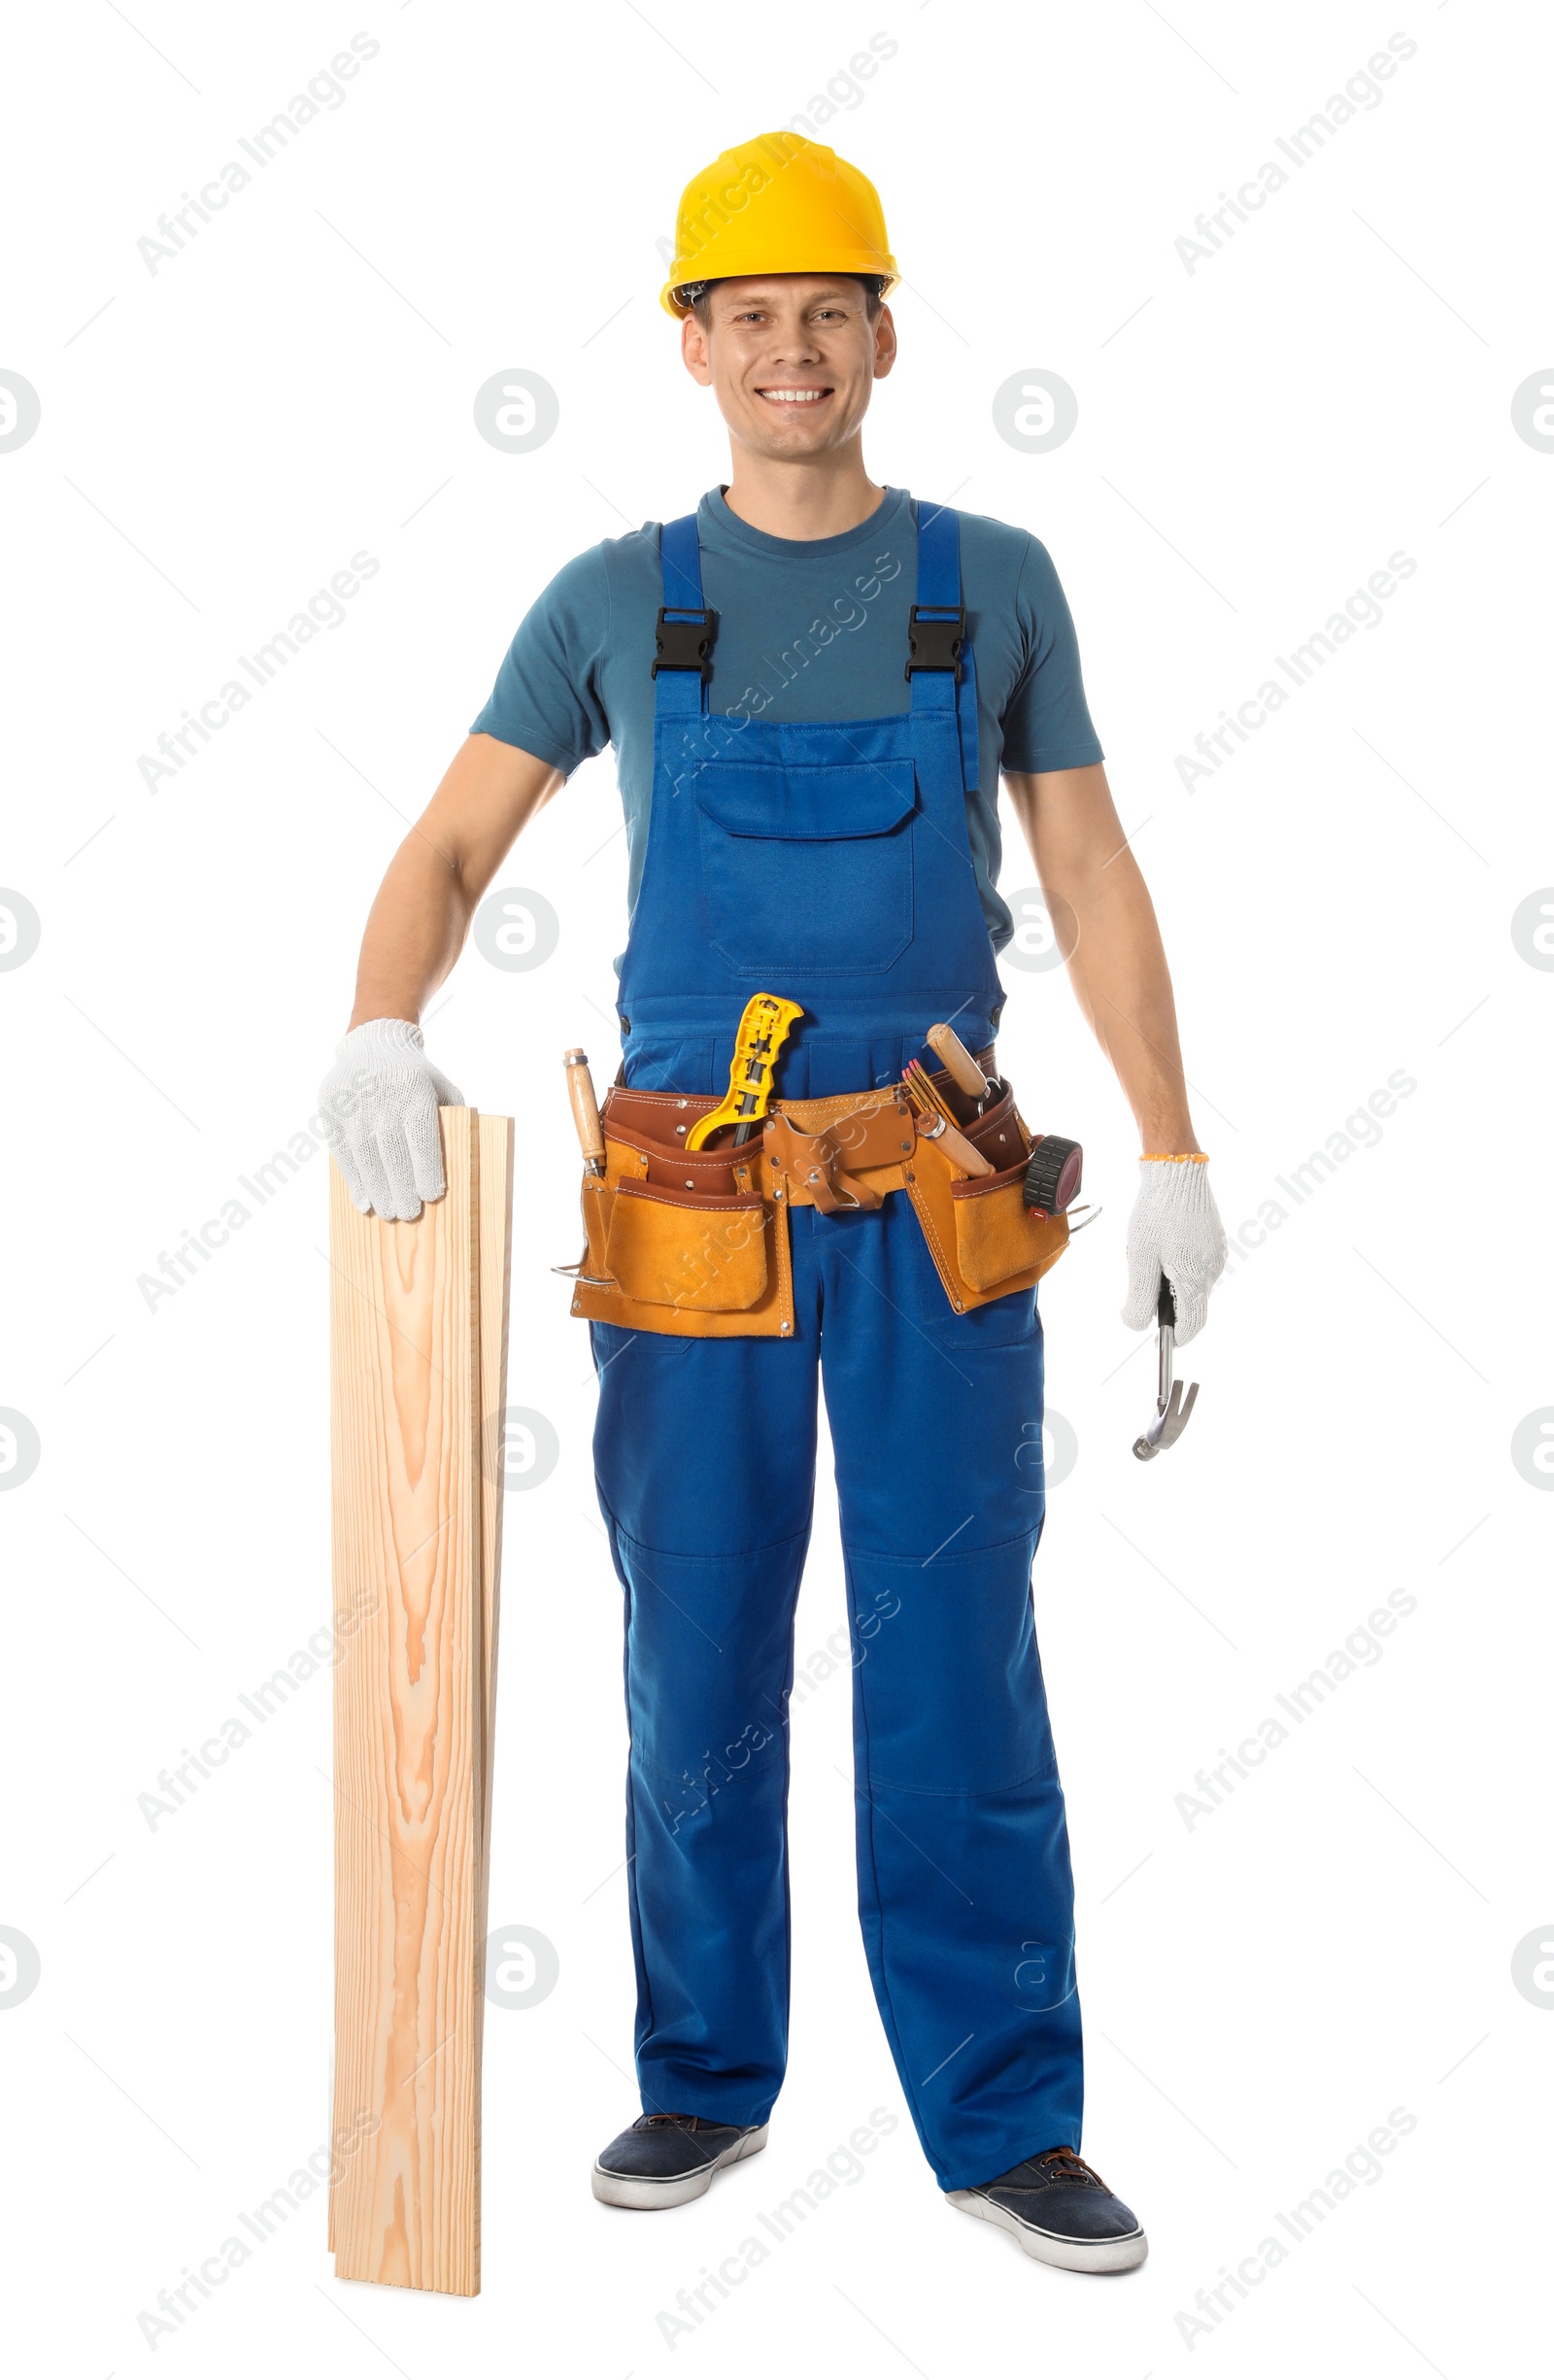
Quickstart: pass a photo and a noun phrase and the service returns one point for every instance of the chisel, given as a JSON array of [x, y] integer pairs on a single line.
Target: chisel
[[585, 1109]]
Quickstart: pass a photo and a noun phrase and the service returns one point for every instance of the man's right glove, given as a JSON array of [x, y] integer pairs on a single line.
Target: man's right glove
[[379, 1102]]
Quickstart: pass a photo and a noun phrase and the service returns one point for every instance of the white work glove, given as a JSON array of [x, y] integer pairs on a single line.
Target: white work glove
[[1174, 1229], [379, 1102]]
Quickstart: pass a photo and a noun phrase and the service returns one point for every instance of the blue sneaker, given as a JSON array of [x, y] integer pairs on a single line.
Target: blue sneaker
[[664, 2160], [1062, 2212]]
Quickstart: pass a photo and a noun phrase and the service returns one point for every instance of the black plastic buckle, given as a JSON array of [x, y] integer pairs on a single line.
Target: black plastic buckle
[[936, 642], [685, 643]]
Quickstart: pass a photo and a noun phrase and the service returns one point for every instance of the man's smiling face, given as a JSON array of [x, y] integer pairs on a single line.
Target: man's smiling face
[[792, 358]]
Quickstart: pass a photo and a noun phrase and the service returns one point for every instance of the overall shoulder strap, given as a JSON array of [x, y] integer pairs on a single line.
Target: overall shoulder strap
[[686, 629], [940, 664], [680, 552], [938, 557], [937, 622]]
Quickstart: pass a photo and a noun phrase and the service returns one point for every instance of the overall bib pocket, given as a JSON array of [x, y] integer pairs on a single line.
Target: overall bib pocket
[[807, 871]]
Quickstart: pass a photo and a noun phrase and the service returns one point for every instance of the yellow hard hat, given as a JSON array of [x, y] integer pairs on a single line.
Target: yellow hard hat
[[777, 204]]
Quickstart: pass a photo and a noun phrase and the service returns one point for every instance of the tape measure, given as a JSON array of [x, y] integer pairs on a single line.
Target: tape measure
[[1053, 1174]]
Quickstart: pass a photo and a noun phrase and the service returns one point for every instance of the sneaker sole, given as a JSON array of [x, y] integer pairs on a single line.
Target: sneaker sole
[[1048, 2248], [634, 2191]]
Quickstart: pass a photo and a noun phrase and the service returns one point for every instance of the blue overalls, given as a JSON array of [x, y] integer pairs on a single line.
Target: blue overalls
[[830, 864]]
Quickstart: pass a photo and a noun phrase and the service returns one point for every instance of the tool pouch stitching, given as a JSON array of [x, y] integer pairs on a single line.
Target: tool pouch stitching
[[639, 1278], [965, 1239]]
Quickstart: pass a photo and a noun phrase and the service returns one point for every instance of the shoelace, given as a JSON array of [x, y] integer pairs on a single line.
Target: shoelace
[[1068, 2166]]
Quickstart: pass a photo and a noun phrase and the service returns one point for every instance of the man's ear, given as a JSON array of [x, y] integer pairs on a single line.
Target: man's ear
[[694, 352], [884, 342]]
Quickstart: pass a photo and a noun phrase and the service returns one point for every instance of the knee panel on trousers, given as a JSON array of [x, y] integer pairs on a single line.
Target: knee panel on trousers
[[950, 1691]]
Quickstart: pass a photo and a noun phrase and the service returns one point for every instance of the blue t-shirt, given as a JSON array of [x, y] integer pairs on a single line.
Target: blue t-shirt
[[807, 630]]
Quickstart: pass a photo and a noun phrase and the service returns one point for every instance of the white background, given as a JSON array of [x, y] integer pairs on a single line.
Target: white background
[[216, 439]]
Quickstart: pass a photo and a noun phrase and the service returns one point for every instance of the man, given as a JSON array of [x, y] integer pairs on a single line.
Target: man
[[811, 686]]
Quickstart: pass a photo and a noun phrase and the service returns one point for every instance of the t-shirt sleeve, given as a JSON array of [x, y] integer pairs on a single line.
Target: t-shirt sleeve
[[1047, 721], [548, 697]]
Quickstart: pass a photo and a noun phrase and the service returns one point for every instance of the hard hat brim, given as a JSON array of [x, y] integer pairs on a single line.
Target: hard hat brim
[[854, 268]]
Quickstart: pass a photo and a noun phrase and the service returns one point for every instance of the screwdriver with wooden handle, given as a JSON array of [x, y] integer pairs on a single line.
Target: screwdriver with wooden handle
[[585, 1109]]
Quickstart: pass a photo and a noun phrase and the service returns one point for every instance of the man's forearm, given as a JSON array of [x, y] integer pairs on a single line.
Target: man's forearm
[[1105, 924], [1122, 982], [415, 931], [437, 877]]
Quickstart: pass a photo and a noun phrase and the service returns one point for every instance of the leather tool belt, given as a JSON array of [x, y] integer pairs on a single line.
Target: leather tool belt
[[698, 1245]]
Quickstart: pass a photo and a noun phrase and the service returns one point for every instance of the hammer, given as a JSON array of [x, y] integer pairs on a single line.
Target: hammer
[[1172, 1410]]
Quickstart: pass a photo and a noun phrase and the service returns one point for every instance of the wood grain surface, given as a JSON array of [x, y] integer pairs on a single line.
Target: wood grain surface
[[416, 1537], [495, 1245]]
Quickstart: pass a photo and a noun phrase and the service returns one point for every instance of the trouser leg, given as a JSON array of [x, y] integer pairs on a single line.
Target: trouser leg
[[964, 1888], [705, 1458]]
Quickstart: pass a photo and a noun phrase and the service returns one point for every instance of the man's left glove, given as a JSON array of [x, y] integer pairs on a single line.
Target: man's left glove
[[1175, 1230]]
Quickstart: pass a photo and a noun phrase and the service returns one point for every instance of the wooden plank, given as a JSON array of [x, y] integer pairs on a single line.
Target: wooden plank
[[495, 1236], [495, 1287], [409, 1728]]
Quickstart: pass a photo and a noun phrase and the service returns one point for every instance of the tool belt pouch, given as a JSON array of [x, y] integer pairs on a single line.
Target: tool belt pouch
[[984, 1240], [1000, 1244], [682, 1246]]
